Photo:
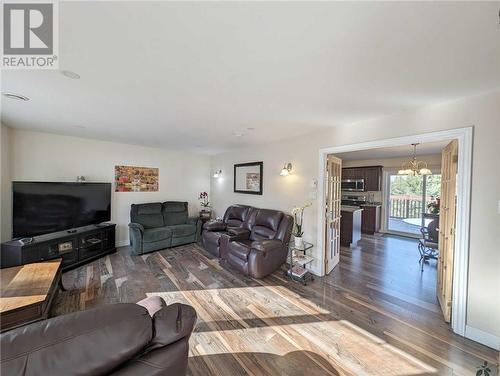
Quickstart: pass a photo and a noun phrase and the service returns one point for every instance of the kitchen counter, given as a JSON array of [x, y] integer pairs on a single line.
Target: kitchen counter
[[374, 204], [350, 208]]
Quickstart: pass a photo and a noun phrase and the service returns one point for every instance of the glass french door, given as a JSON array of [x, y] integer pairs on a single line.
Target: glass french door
[[408, 200]]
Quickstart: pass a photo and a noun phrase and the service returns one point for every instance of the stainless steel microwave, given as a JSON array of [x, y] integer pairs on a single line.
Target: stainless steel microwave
[[353, 185]]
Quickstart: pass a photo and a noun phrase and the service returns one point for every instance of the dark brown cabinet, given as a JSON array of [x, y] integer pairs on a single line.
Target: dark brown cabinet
[[350, 173], [373, 178], [74, 247], [370, 219], [371, 175], [350, 227]]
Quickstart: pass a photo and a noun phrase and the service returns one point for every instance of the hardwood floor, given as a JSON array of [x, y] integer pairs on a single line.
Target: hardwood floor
[[376, 314]]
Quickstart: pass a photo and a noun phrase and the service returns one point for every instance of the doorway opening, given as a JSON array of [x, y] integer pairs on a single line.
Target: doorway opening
[[450, 273]]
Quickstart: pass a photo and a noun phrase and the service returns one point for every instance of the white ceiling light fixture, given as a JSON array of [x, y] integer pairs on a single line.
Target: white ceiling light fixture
[[70, 74], [15, 96], [414, 167], [217, 174]]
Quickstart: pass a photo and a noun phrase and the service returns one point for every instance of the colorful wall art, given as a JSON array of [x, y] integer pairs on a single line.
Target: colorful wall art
[[136, 179]]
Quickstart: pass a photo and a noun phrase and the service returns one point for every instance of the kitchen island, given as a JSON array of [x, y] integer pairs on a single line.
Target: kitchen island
[[350, 225], [370, 219]]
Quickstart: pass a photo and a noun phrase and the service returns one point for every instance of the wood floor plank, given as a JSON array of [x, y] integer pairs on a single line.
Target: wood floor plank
[[373, 315]]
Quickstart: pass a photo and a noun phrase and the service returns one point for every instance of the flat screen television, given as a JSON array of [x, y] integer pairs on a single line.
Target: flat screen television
[[43, 207]]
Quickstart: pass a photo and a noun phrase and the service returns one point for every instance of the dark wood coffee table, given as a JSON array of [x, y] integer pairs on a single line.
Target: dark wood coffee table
[[27, 292]]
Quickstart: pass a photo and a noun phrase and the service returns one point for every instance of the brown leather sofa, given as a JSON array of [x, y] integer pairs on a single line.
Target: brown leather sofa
[[235, 221], [117, 339], [257, 246]]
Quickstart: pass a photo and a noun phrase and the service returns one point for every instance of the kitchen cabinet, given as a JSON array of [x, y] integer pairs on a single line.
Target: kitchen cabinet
[[370, 219], [352, 173], [372, 176], [348, 173]]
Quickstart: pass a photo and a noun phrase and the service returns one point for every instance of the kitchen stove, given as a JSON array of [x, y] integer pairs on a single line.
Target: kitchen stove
[[353, 200]]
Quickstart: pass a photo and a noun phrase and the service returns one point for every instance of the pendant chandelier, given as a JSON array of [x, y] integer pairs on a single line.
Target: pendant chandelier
[[414, 167]]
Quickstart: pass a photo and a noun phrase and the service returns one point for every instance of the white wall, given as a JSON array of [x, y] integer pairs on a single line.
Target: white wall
[[5, 183], [48, 157], [482, 112]]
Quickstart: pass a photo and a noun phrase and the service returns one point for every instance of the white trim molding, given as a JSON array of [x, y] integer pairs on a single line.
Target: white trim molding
[[487, 339], [461, 257]]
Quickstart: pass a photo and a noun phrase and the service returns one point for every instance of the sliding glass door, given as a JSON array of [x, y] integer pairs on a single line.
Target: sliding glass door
[[407, 200]]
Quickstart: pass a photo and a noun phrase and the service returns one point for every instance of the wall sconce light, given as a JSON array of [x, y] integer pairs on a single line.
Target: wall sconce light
[[287, 169], [217, 174]]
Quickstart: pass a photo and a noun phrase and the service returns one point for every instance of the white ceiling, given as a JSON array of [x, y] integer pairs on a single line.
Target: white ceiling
[[428, 148], [191, 75]]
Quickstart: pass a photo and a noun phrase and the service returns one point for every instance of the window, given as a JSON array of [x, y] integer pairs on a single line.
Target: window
[[408, 200]]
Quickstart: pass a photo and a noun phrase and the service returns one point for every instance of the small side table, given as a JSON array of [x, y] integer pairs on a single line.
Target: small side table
[[205, 216], [298, 257]]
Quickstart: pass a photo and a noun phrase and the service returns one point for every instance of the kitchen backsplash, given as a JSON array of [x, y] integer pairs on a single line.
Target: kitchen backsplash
[[371, 196]]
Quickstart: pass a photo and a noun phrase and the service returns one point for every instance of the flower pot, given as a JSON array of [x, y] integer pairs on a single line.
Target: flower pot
[[299, 242]]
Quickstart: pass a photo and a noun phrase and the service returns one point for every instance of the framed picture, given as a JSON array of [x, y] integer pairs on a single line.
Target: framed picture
[[248, 178], [136, 179]]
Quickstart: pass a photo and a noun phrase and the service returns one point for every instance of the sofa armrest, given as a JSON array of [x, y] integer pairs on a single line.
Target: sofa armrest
[[241, 233], [214, 226], [136, 226], [193, 220], [234, 236], [196, 221], [267, 245], [265, 257], [136, 234], [172, 323], [227, 238]]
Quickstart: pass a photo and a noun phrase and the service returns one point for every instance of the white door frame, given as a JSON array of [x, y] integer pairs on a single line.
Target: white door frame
[[461, 257]]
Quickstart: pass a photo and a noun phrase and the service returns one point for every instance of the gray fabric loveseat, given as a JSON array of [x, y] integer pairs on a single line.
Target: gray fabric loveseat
[[159, 225]]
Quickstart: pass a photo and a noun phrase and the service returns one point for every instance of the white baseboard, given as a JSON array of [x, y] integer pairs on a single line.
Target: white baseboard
[[482, 337], [121, 243]]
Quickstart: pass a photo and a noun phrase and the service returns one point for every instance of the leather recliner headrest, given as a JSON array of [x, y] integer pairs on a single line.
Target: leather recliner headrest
[[269, 218]]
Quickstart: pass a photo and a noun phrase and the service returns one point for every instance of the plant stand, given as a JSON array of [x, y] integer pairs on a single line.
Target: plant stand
[[297, 256]]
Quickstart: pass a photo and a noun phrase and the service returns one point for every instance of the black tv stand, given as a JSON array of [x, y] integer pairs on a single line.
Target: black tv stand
[[75, 246]]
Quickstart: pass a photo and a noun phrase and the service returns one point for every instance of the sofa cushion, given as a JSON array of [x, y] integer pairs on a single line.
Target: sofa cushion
[[175, 213], [148, 215], [266, 224], [156, 234], [236, 215], [240, 249], [269, 218], [182, 230]]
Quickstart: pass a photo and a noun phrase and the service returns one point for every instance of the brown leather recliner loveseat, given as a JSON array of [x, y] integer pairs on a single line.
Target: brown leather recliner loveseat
[[235, 221], [258, 246], [116, 339]]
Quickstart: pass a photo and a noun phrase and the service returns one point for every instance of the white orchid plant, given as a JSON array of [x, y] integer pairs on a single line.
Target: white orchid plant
[[298, 216]]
